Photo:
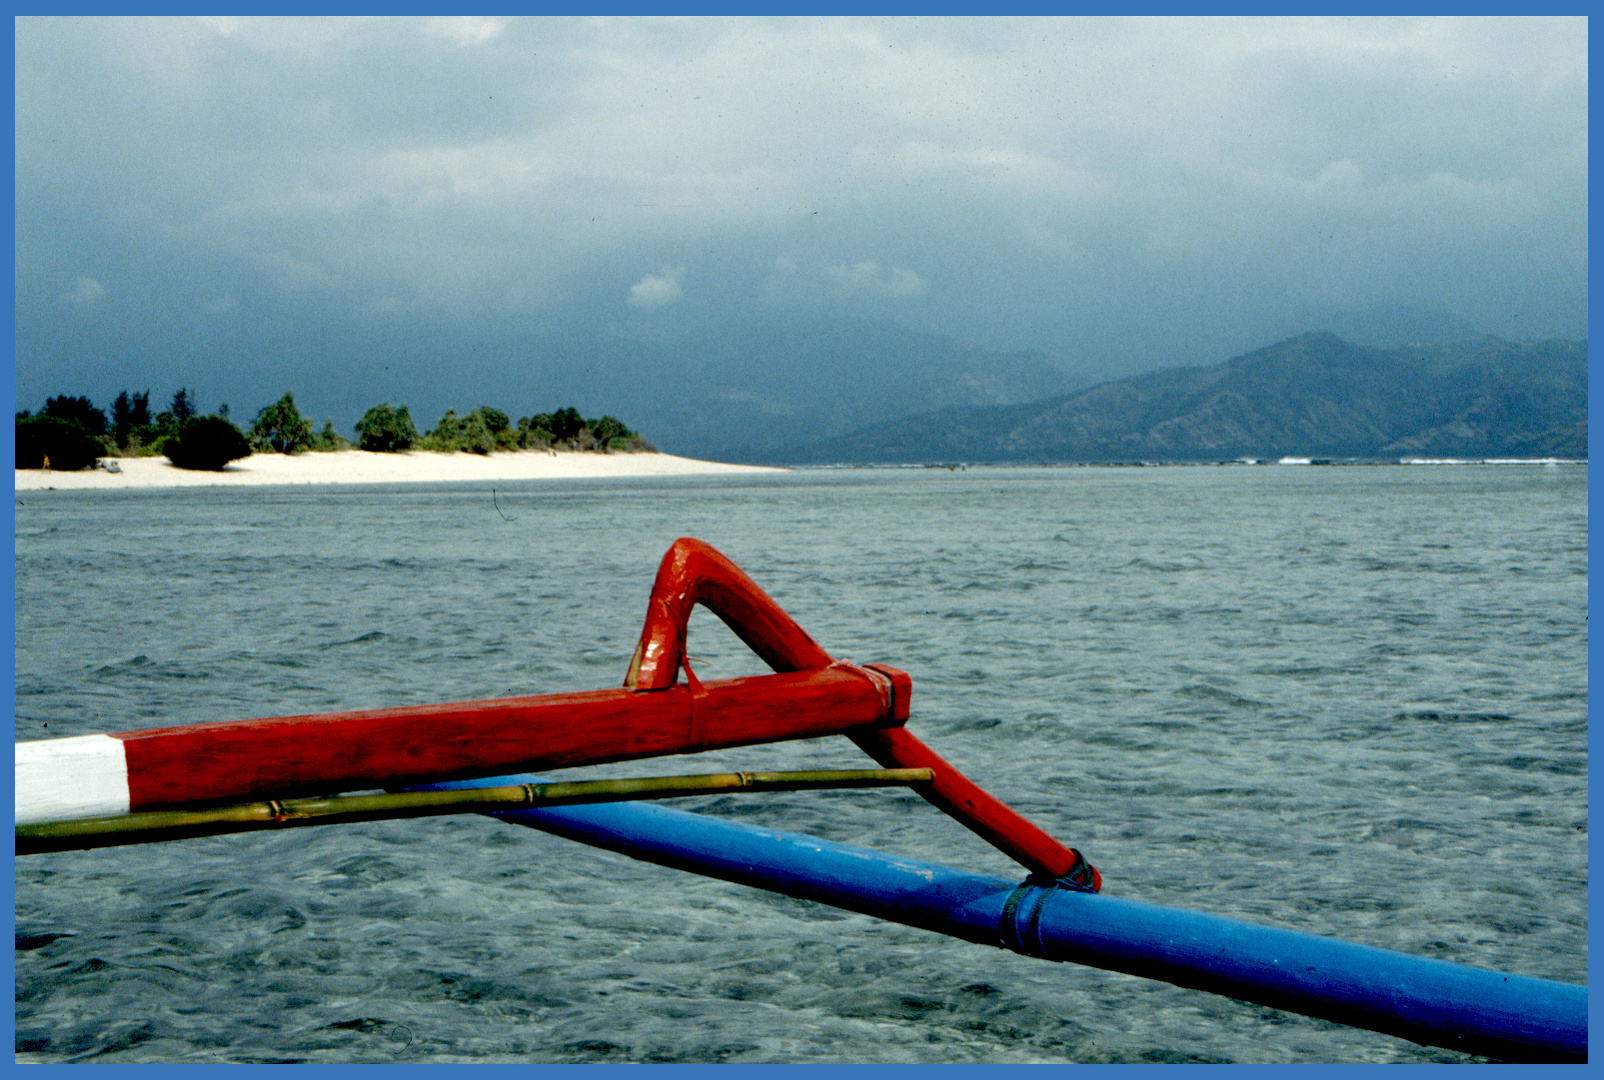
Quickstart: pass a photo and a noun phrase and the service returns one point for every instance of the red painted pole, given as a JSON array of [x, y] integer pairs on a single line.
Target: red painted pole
[[694, 572], [809, 695], [287, 757], [959, 797]]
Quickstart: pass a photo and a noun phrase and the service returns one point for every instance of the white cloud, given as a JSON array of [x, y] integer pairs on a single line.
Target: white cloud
[[1339, 175], [466, 29], [657, 290], [224, 25], [86, 290], [867, 277]]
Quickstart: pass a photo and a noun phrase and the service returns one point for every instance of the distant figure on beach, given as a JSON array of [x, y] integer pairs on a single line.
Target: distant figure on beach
[[46, 465]]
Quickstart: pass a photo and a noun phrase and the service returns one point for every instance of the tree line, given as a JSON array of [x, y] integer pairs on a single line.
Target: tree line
[[70, 433]]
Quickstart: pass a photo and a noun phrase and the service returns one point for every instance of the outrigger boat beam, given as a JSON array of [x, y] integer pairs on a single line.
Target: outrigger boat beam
[[1432, 1002], [158, 826], [1055, 913], [811, 694]]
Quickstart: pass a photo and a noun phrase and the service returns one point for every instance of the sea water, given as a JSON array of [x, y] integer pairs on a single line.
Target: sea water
[[1350, 701]]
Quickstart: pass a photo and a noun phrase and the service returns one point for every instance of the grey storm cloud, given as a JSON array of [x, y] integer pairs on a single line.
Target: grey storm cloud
[[1010, 182]]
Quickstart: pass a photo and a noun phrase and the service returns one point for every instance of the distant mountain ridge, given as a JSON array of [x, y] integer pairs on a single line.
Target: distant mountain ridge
[[1315, 395], [759, 386]]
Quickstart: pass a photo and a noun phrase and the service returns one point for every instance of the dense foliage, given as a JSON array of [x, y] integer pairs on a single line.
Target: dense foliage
[[60, 444], [73, 434], [130, 420], [325, 439], [386, 429], [486, 430], [70, 433], [206, 442], [476, 433], [280, 428], [76, 410]]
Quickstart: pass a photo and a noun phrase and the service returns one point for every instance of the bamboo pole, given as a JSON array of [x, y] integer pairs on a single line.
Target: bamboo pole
[[162, 825]]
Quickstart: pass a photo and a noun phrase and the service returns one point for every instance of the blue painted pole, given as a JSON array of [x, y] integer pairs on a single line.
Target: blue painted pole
[[1509, 1017]]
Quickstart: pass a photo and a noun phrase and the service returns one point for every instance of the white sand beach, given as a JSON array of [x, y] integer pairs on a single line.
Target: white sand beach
[[363, 467]]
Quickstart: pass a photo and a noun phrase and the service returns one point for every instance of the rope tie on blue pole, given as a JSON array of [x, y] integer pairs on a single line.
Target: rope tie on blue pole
[[1432, 1002], [1031, 895]]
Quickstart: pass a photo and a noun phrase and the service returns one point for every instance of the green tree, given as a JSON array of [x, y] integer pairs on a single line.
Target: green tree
[[67, 444], [469, 433], [607, 431], [76, 410], [280, 428], [567, 427], [499, 424], [386, 429], [163, 429], [183, 406], [206, 442], [328, 439], [536, 430], [130, 420], [480, 432], [495, 420], [566, 424], [477, 438], [446, 434], [121, 411]]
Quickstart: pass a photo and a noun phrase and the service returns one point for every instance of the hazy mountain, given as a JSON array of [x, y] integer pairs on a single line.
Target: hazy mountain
[[713, 391], [1314, 396]]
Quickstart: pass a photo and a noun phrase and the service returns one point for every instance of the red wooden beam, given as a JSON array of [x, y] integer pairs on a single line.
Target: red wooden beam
[[283, 757], [306, 755]]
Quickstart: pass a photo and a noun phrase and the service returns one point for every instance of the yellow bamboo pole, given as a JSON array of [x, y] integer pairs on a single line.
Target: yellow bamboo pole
[[153, 826]]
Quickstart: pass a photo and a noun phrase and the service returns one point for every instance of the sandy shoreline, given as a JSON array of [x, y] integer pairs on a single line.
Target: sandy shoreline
[[362, 467]]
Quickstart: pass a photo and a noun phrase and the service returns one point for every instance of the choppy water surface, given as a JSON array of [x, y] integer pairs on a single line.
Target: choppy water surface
[[1350, 701]]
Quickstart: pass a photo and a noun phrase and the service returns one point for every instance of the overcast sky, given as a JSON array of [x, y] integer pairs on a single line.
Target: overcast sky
[[188, 190]]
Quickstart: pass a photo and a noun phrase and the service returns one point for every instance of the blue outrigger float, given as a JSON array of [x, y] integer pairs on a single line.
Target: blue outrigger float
[[170, 783]]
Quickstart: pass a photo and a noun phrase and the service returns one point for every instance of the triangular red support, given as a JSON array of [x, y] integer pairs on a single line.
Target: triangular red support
[[693, 572], [696, 573]]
